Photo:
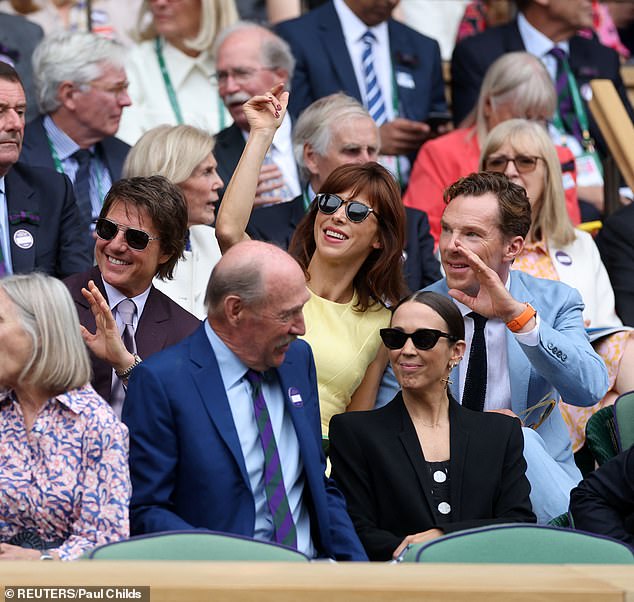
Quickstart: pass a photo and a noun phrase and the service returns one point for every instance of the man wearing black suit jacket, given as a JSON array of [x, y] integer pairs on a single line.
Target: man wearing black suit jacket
[[336, 130], [39, 224], [140, 235], [537, 23], [82, 91]]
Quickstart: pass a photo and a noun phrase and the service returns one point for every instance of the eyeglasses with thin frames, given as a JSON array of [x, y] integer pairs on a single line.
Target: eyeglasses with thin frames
[[116, 90], [240, 75], [523, 163]]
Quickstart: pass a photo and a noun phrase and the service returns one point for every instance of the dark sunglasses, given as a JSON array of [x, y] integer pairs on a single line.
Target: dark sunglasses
[[356, 211], [423, 338], [137, 239], [523, 163]]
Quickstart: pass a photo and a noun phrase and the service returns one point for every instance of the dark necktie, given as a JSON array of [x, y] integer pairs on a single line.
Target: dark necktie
[[283, 525], [125, 310], [564, 95], [475, 384], [82, 184]]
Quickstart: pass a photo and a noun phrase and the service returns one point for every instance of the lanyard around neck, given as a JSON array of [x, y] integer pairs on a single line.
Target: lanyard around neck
[[171, 93], [59, 168], [580, 112]]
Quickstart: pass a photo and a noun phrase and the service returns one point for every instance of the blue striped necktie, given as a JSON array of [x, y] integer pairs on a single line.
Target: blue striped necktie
[[82, 184], [374, 98], [3, 265], [284, 530]]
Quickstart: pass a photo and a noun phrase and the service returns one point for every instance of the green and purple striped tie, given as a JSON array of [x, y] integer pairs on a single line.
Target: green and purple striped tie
[[283, 525]]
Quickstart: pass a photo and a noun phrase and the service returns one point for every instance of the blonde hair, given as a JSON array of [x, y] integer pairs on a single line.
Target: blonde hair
[[518, 78], [550, 219], [171, 151], [59, 361], [215, 15]]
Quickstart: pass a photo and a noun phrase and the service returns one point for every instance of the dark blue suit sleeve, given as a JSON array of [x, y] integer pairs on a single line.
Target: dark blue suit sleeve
[[604, 500], [154, 455], [75, 250]]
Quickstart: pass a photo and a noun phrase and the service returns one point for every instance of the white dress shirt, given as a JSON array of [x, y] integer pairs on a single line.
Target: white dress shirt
[[240, 396], [498, 393]]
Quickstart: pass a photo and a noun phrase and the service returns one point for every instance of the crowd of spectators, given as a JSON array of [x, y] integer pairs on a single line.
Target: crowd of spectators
[[266, 270]]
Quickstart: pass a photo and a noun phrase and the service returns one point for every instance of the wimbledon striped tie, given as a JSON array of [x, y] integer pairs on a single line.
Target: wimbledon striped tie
[[564, 95], [3, 267], [374, 98], [283, 525]]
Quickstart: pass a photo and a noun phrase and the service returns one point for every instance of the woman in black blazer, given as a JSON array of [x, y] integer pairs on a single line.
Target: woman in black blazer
[[423, 465]]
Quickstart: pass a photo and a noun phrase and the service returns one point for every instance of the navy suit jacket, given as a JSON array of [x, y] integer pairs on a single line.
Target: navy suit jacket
[[36, 150], [162, 323], [324, 67], [588, 59], [187, 466], [277, 224], [227, 151], [58, 247]]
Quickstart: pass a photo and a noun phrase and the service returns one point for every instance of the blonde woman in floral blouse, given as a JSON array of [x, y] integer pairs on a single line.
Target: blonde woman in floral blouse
[[63, 454]]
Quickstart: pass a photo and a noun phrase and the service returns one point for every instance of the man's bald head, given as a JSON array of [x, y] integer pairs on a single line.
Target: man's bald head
[[255, 298]]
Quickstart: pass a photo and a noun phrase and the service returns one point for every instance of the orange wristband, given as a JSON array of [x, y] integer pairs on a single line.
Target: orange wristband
[[518, 323]]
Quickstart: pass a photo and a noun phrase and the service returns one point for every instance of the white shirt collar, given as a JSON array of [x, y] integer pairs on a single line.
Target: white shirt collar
[[354, 28], [115, 297], [535, 42]]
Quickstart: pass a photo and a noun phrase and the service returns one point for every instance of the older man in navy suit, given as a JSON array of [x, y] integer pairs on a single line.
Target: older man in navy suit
[[39, 222], [82, 92], [355, 47], [224, 427]]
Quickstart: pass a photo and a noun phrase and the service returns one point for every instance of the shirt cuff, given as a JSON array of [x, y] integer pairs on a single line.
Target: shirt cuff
[[530, 338]]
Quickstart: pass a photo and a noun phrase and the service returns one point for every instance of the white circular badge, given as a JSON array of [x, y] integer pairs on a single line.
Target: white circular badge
[[23, 239]]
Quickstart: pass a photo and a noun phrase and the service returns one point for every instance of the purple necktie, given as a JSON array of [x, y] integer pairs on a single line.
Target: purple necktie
[[3, 265], [564, 95], [283, 525]]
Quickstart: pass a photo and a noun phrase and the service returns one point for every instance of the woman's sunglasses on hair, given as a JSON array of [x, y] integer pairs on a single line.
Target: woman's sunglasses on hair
[[136, 239], [423, 338], [356, 211], [523, 163]]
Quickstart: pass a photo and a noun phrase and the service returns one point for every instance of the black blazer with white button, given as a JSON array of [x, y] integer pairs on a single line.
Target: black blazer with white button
[[379, 465]]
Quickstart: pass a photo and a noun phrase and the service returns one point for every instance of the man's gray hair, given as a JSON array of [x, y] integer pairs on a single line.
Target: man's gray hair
[[78, 57], [246, 282], [314, 125], [275, 52]]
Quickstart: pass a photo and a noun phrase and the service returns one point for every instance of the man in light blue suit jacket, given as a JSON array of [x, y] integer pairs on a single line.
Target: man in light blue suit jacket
[[536, 351], [195, 454], [324, 66]]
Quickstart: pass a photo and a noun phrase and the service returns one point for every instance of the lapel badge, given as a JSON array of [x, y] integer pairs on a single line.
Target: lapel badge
[[295, 396]]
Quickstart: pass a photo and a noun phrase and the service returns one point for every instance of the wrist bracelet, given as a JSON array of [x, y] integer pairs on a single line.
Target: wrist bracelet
[[46, 555], [520, 321], [126, 373]]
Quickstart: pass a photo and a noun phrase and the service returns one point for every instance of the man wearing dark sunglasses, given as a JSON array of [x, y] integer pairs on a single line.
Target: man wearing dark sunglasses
[[140, 234], [526, 344]]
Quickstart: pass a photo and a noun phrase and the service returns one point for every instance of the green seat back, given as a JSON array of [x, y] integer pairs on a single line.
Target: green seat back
[[601, 435], [624, 417], [195, 545], [521, 544]]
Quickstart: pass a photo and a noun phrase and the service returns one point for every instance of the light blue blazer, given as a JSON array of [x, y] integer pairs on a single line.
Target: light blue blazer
[[563, 360]]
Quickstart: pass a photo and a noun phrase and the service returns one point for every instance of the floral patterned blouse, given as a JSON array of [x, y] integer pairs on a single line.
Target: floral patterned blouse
[[66, 480]]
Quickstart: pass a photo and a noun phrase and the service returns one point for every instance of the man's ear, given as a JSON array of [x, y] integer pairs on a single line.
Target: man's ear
[[65, 93], [514, 247], [310, 159], [233, 307]]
